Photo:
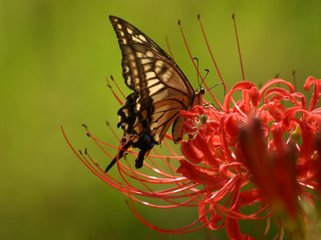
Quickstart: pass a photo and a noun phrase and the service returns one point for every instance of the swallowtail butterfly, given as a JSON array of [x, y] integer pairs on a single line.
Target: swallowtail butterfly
[[160, 90]]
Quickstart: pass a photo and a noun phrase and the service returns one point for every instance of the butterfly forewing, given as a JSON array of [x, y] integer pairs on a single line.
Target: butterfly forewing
[[142, 58]]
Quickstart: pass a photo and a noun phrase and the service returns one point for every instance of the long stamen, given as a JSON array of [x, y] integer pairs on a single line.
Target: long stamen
[[188, 49], [294, 79], [114, 93], [197, 76], [119, 89], [238, 46], [211, 53]]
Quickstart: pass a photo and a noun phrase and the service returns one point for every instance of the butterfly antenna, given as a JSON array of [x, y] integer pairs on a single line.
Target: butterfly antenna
[[211, 53], [238, 46], [207, 71], [113, 92], [197, 75], [200, 83]]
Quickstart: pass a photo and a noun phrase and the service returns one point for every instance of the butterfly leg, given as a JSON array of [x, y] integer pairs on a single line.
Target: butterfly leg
[[145, 144], [139, 162]]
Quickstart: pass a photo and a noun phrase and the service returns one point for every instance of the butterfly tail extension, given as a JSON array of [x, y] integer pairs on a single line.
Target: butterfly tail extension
[[119, 155]]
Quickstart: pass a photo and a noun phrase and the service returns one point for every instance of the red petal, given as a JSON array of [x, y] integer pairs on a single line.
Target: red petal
[[191, 152]]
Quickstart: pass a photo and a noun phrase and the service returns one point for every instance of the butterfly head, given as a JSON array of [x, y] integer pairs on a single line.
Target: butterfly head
[[198, 97]]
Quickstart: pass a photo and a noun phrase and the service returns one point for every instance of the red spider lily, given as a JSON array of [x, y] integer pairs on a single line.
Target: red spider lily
[[262, 150]]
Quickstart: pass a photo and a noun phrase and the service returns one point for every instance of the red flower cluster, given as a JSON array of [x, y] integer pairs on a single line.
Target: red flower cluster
[[261, 148]]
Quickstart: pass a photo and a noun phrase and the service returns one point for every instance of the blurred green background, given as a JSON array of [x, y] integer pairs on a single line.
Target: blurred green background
[[54, 57]]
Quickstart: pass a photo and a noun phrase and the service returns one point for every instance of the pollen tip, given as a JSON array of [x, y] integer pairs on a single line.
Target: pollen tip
[[198, 16], [179, 22], [233, 15]]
